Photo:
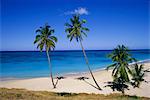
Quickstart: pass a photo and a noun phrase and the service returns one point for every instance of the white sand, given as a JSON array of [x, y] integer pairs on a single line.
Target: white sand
[[71, 84]]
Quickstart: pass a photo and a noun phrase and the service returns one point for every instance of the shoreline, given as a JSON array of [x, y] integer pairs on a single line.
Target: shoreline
[[70, 84], [69, 74]]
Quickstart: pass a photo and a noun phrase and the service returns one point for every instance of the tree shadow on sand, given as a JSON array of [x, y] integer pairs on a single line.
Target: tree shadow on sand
[[84, 79], [118, 84], [58, 79]]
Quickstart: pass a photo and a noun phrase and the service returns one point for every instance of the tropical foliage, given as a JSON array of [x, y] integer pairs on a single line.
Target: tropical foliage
[[121, 58], [76, 30], [138, 74], [46, 40]]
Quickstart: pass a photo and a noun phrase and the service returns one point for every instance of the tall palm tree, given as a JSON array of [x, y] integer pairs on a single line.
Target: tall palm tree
[[45, 39], [76, 30], [121, 58]]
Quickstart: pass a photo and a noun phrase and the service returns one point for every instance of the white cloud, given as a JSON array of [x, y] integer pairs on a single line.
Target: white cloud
[[80, 10]]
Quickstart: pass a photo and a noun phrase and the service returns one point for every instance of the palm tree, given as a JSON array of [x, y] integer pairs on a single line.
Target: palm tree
[[77, 31], [45, 39], [121, 58], [138, 75]]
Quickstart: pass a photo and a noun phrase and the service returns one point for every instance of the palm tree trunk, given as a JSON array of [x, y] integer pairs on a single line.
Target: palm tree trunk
[[86, 59], [50, 66]]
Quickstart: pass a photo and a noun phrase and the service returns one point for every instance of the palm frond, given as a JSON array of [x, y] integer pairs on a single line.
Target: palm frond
[[38, 30], [68, 25], [84, 33], [75, 29], [53, 38], [85, 29], [40, 45], [45, 38], [37, 39], [111, 66]]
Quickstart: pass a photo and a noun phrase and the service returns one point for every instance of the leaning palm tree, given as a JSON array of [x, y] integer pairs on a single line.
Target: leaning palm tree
[[76, 31], [45, 39], [121, 58]]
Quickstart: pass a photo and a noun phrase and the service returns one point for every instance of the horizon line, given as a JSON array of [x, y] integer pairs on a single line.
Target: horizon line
[[68, 50]]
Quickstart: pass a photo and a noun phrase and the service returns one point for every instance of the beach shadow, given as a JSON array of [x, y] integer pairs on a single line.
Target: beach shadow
[[58, 79], [84, 79], [66, 94]]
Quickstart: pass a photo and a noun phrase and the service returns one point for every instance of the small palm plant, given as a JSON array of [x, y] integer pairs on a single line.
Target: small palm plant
[[76, 31], [46, 40], [121, 58], [138, 75]]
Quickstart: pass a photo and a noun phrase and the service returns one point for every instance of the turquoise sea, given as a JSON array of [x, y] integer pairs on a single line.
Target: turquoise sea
[[29, 64]]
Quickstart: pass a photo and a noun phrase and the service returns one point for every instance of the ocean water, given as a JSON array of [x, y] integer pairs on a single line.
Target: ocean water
[[29, 64]]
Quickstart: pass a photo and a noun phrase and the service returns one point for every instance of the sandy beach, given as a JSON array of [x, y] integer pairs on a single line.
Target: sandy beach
[[72, 85]]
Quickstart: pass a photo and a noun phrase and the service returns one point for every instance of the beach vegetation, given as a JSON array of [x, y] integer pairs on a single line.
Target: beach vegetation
[[138, 74], [121, 58], [22, 94], [46, 40], [77, 31], [122, 74]]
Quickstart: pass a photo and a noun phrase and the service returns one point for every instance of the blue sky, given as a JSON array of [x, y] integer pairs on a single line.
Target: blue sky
[[111, 22]]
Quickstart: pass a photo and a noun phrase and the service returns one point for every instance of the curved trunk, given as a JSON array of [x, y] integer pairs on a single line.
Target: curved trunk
[[86, 59], [50, 66]]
